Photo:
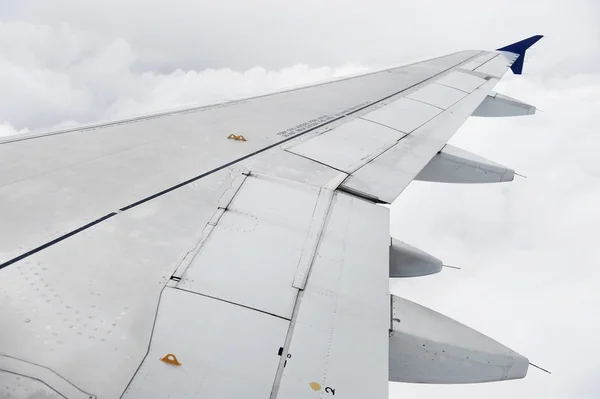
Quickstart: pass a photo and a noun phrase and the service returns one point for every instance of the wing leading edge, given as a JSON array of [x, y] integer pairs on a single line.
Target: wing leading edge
[[262, 266]]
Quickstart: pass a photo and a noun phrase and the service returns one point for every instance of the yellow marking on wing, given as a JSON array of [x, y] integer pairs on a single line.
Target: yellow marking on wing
[[315, 386], [170, 359], [236, 137]]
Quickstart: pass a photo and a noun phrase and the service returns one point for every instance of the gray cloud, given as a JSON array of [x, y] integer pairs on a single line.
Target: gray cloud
[[528, 248], [74, 62], [190, 34], [56, 75]]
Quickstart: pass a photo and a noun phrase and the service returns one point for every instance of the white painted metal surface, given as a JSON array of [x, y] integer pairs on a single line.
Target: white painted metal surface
[[437, 95], [349, 146], [54, 184], [226, 351], [252, 255], [386, 176], [499, 105], [97, 289], [154, 190], [403, 114], [408, 261], [91, 299], [286, 165], [35, 373], [470, 65], [15, 386], [428, 347], [462, 81], [485, 57], [455, 165], [313, 237], [340, 334], [495, 67]]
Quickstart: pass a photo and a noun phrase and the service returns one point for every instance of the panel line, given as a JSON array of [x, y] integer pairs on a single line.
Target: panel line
[[232, 303], [226, 165]]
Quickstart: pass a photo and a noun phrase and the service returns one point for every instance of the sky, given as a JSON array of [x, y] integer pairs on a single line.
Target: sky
[[528, 249]]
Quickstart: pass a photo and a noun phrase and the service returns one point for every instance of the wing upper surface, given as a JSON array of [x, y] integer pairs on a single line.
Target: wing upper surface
[[54, 184], [127, 241]]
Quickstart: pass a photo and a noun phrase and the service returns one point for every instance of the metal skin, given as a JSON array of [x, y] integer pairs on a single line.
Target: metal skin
[[388, 174], [454, 165], [428, 347], [408, 261], [256, 268], [499, 105]]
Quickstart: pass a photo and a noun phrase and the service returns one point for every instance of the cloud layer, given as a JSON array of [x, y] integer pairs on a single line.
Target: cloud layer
[[528, 248], [58, 76], [68, 63], [199, 34]]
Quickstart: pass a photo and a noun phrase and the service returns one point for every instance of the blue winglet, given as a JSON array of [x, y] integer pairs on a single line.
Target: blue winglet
[[520, 48]]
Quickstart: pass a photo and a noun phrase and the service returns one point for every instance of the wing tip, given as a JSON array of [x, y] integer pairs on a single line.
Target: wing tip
[[519, 48]]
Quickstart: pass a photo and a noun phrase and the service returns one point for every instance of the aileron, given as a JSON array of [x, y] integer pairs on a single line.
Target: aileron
[[387, 176]]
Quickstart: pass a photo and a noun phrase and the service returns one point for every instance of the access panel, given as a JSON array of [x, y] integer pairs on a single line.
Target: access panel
[[218, 350]]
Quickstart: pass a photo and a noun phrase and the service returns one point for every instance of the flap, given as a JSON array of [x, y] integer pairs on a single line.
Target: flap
[[339, 344], [251, 255]]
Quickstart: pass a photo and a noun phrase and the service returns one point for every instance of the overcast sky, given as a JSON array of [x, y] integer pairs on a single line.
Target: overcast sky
[[529, 249]]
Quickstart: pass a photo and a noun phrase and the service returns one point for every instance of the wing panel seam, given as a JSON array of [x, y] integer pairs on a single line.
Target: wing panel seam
[[226, 165], [154, 115], [313, 237], [232, 303], [32, 370], [382, 124], [452, 87], [493, 58]]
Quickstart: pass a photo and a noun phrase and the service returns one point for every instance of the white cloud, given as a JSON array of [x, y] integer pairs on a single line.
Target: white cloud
[[89, 79], [7, 130], [528, 248], [86, 63], [199, 34]]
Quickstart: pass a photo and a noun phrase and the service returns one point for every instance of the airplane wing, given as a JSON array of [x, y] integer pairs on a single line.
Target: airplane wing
[[241, 249]]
